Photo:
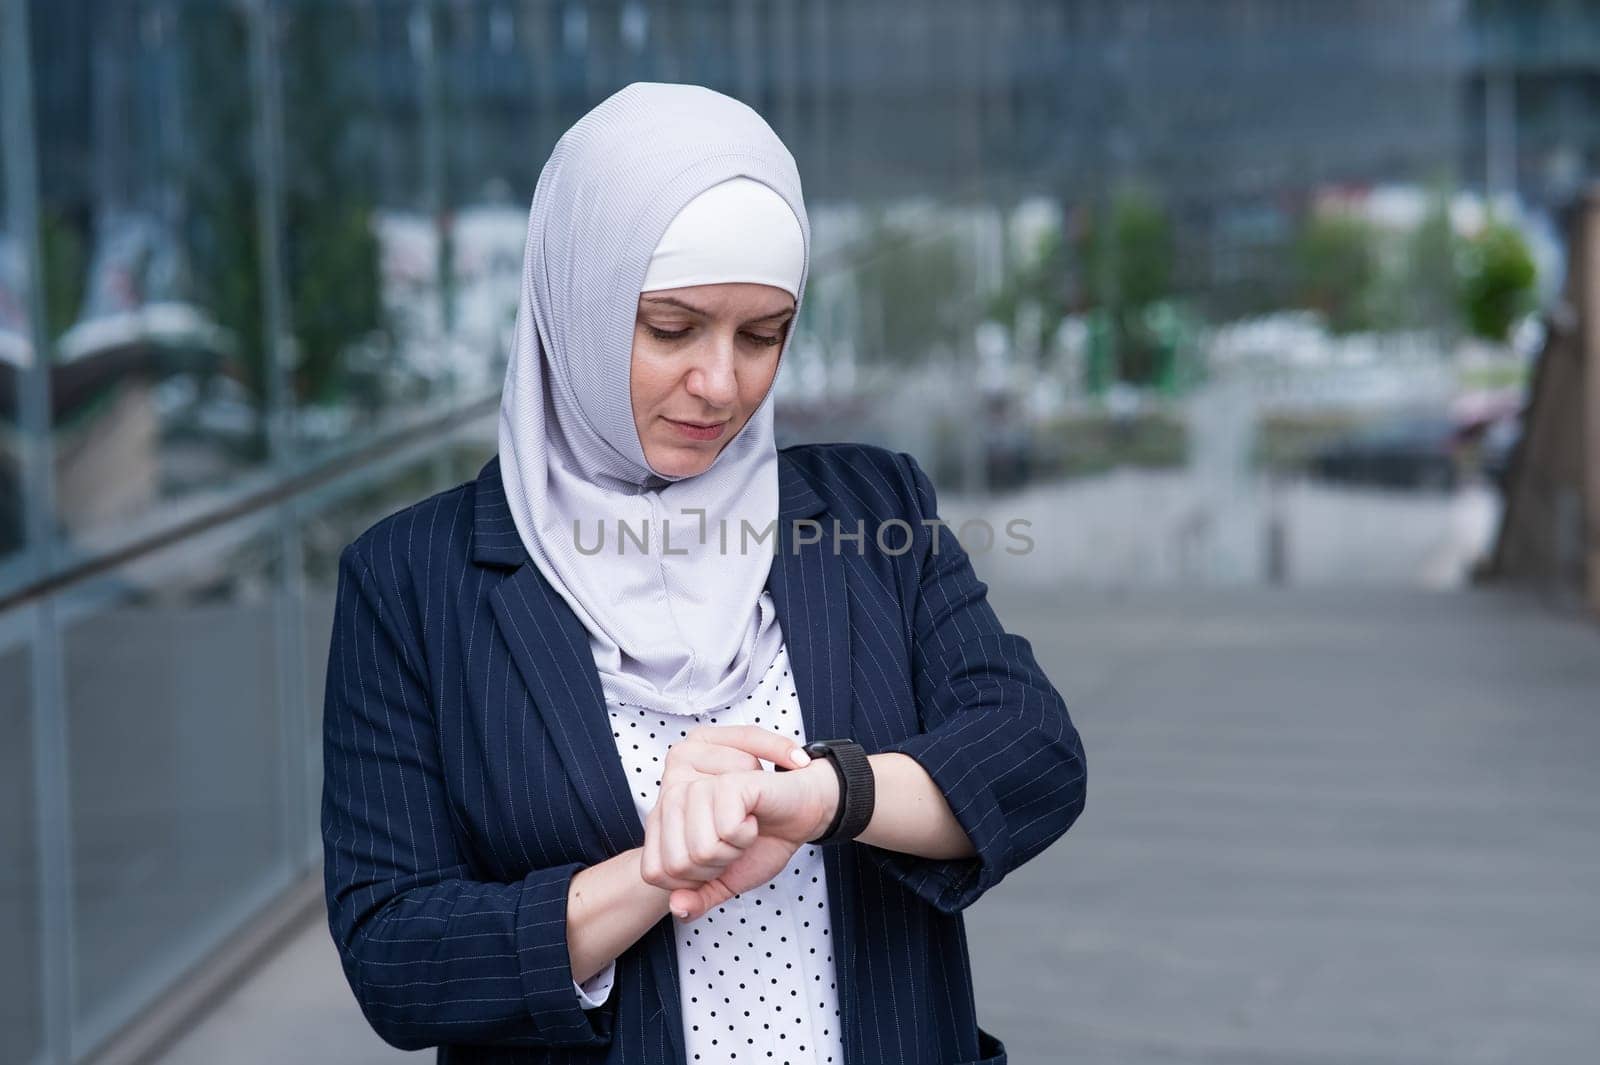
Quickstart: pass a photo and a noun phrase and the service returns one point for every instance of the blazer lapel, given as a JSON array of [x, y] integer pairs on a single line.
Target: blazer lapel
[[551, 651], [808, 588]]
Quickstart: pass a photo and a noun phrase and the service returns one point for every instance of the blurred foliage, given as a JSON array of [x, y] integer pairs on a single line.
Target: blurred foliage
[[1126, 267], [66, 269], [222, 235], [1429, 292], [1498, 279], [1141, 250], [1336, 267], [1438, 281], [1039, 279], [1494, 376], [331, 254]]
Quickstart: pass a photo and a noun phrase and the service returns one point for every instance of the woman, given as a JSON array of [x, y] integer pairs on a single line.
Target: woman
[[559, 695]]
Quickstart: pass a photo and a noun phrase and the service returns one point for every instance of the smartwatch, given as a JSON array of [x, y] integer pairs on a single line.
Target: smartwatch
[[857, 793]]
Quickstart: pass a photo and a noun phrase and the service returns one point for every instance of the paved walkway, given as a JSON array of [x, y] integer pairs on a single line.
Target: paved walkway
[[1322, 828]]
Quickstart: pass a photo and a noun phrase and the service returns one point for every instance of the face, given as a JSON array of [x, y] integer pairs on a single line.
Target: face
[[704, 357]]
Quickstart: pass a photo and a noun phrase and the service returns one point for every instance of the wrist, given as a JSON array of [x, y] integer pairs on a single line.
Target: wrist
[[856, 788], [659, 897], [825, 779]]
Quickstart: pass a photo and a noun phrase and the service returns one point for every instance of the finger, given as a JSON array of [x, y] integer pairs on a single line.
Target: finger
[[685, 903], [707, 847], [754, 740], [709, 759], [697, 902], [650, 860], [734, 821], [653, 865], [674, 841]]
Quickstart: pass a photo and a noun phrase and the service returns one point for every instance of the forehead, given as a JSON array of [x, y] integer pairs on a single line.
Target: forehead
[[745, 299]]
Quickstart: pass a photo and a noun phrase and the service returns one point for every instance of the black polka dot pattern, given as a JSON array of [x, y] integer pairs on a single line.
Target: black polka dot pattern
[[758, 976]]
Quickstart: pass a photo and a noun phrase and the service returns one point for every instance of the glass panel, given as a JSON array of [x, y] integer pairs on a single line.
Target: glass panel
[[175, 753], [21, 1006], [153, 257], [347, 157], [21, 967], [493, 97], [16, 349], [401, 293]]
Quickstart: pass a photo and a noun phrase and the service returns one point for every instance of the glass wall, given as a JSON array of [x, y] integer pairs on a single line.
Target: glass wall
[[148, 217], [175, 750], [22, 1002], [16, 312], [258, 259]]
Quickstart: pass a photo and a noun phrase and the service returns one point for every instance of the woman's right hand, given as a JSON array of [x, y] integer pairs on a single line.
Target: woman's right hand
[[691, 851]]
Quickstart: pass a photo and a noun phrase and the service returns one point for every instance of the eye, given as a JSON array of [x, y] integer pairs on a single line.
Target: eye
[[662, 334], [765, 341]]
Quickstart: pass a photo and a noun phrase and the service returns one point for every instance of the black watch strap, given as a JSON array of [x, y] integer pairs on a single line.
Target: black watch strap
[[857, 792]]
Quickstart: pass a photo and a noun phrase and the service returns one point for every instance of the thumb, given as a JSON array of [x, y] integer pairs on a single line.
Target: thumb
[[690, 904]]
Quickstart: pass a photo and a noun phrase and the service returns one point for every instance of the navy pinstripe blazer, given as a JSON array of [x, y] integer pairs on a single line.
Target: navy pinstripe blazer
[[470, 771]]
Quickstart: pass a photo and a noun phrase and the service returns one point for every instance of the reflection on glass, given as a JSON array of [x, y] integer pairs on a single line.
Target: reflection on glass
[[16, 355], [152, 255], [175, 751], [401, 291], [338, 73]]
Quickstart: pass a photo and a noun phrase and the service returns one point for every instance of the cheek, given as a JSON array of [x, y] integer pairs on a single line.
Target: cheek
[[647, 384], [755, 383]]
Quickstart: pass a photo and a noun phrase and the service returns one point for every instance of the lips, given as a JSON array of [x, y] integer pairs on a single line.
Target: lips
[[698, 425]]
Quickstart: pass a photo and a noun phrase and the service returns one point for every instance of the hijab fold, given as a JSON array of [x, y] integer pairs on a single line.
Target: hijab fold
[[683, 630]]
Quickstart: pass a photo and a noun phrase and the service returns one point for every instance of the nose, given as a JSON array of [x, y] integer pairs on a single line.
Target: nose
[[712, 378]]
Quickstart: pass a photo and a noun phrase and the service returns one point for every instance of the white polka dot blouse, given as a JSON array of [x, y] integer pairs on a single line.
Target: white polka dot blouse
[[758, 982]]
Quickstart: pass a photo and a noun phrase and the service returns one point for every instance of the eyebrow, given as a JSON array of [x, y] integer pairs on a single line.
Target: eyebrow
[[691, 307]]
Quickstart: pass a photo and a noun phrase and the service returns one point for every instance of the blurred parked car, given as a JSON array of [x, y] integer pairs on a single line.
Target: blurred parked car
[[1423, 452]]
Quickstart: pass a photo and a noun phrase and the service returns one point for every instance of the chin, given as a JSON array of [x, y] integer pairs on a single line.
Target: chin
[[682, 463]]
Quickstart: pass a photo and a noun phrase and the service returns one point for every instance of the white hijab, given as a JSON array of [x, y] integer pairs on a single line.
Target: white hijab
[[680, 632]]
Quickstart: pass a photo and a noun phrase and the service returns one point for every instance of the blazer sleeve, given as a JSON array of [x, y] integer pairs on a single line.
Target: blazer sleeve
[[996, 739], [434, 957]]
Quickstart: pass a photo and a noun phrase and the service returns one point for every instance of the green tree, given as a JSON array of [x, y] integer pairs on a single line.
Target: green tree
[[1039, 278], [330, 252], [1126, 267], [1337, 270], [219, 186], [65, 270], [1430, 289], [1498, 279]]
